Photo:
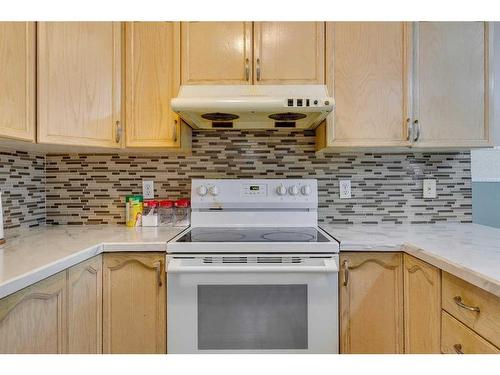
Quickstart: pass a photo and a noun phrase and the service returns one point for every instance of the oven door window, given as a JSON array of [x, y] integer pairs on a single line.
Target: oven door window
[[252, 317]]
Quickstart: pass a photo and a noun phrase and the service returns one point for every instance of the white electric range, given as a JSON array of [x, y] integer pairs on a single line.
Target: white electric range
[[254, 273]]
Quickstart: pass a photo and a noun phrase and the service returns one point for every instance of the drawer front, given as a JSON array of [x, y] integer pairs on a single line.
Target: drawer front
[[476, 308], [458, 339]]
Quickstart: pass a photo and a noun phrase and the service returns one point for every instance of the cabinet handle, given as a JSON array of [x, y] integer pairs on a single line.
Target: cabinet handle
[[408, 129], [258, 70], [458, 301], [345, 266], [458, 348], [118, 133], [247, 69], [175, 130], [158, 273], [417, 127]]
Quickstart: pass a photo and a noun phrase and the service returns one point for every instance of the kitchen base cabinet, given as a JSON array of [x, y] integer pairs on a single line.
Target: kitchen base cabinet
[[33, 320], [371, 302], [134, 307], [422, 306]]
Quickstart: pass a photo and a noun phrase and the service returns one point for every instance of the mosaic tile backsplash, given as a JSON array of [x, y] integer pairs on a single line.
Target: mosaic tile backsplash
[[90, 189], [22, 182]]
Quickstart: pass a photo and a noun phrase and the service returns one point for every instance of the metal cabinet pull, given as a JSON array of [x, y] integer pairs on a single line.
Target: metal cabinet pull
[[458, 301], [345, 266], [118, 132], [175, 130], [417, 127], [258, 70], [408, 129], [158, 273], [458, 348], [247, 69]]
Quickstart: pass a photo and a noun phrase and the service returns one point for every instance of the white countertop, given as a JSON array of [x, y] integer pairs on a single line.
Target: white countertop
[[469, 251], [34, 254]]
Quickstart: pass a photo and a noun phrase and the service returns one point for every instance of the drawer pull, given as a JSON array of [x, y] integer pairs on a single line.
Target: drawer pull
[[458, 301], [458, 348]]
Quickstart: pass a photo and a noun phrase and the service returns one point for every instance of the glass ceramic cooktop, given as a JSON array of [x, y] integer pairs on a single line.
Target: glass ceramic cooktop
[[289, 234]]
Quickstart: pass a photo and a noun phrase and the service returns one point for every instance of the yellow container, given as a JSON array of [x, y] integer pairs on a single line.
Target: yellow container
[[133, 210]]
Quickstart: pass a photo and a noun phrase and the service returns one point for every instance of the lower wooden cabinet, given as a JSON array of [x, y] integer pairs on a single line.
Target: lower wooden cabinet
[[371, 302], [422, 306], [134, 309]]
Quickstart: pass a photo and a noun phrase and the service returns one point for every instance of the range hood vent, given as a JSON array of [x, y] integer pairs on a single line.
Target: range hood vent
[[253, 106]]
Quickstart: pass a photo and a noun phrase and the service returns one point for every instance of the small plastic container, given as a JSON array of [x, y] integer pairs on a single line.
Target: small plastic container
[[182, 213], [150, 214], [165, 213]]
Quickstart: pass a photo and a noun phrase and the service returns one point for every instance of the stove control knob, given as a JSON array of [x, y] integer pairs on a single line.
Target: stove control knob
[[293, 190], [281, 190], [305, 190], [202, 190], [214, 190]]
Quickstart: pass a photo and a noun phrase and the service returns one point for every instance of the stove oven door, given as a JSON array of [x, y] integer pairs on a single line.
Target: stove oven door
[[250, 304]]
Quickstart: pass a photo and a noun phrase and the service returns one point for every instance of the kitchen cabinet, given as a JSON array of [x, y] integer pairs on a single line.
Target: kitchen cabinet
[[134, 307], [289, 53], [85, 307], [33, 320], [451, 97], [152, 80], [79, 83], [422, 307], [371, 302], [17, 80]]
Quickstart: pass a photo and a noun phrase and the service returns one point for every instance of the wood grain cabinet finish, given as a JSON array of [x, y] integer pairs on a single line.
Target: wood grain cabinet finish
[[17, 80], [452, 84], [85, 307], [216, 53], [134, 307], [152, 80], [79, 77], [33, 320], [371, 302], [289, 53], [422, 307]]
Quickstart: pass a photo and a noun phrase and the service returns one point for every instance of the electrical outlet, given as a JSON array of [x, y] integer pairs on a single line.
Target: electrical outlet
[[429, 188], [148, 189], [345, 189]]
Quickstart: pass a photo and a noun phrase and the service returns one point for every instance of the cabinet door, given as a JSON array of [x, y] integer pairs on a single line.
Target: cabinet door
[[79, 83], [85, 307], [216, 53], [17, 80], [451, 84], [371, 303], [134, 310], [289, 53], [33, 320], [367, 74], [152, 80], [422, 307]]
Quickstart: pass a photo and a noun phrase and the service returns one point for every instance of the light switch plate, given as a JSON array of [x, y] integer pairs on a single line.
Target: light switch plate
[[148, 189], [429, 188], [345, 189]]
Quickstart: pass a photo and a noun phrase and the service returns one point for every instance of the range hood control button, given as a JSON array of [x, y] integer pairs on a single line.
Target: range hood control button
[[293, 190], [202, 190], [214, 190], [305, 190], [281, 190]]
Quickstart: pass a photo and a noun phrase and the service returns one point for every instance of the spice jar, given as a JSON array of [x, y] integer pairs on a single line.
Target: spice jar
[[150, 214], [166, 213], [182, 214]]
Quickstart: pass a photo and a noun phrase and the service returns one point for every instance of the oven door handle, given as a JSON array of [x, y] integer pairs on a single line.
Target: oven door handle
[[176, 266]]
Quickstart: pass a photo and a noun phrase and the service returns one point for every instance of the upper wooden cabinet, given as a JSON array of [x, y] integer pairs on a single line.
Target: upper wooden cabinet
[[289, 53], [17, 80], [216, 53], [79, 69], [152, 80], [258, 53], [451, 97], [371, 303]]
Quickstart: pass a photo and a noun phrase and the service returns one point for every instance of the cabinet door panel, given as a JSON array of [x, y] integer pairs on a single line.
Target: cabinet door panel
[[17, 80], [79, 83], [216, 53], [452, 84], [33, 320], [371, 303], [289, 52], [134, 310]]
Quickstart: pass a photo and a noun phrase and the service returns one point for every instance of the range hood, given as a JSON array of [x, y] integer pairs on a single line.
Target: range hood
[[253, 106]]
